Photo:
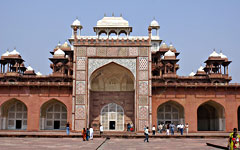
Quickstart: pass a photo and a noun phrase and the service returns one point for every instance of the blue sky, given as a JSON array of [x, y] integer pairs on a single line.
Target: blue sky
[[194, 27]]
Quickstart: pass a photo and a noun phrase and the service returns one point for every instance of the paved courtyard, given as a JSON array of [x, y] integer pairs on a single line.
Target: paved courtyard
[[112, 144]]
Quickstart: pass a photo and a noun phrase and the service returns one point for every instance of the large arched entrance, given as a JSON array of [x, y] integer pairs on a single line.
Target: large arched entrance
[[112, 117], [211, 117], [53, 116], [14, 115], [170, 112], [111, 88]]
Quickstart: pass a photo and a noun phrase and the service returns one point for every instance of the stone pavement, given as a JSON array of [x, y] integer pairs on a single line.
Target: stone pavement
[[112, 144]]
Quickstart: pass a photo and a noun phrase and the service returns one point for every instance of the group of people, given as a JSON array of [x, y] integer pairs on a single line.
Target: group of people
[[170, 127], [130, 127], [87, 134]]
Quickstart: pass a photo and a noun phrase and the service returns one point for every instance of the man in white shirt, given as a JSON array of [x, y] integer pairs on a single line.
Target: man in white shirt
[[101, 130], [146, 134], [91, 133]]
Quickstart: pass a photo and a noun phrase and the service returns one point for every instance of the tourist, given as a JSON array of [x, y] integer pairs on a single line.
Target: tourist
[[131, 127], [153, 130], [172, 126], [101, 130], [161, 127], [146, 134], [181, 127], [87, 134], [91, 133], [128, 127], [67, 128], [186, 128], [84, 134], [158, 127], [178, 127], [233, 140], [167, 129]]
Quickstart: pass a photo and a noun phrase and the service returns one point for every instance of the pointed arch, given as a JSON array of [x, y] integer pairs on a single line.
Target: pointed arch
[[53, 115], [112, 77], [211, 116], [13, 115], [170, 112]]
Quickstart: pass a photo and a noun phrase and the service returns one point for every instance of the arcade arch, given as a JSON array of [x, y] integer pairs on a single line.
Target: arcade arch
[[170, 112], [13, 115], [111, 86], [53, 115], [211, 116]]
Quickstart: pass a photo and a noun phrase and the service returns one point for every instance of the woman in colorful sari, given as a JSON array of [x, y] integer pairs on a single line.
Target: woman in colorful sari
[[84, 134]]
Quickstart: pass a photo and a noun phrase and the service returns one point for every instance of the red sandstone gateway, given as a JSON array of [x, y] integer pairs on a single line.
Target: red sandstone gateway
[[114, 80]]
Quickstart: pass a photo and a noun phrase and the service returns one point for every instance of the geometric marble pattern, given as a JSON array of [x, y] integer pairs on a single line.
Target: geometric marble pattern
[[81, 63], [142, 124], [80, 99], [91, 51], [143, 87], [143, 63], [143, 112], [81, 51], [80, 87], [122, 51], [143, 51], [101, 51], [143, 75], [133, 51], [80, 112], [80, 75], [112, 51], [79, 125], [94, 64], [143, 100]]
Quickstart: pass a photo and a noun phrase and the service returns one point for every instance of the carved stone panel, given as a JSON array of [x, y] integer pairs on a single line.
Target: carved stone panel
[[94, 64]]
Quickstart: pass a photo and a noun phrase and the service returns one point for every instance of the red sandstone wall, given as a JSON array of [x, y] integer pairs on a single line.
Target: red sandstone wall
[[34, 98], [192, 98]]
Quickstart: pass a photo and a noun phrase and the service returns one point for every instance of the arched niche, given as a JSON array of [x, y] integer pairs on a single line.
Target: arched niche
[[112, 77], [211, 116], [111, 83], [13, 115], [53, 115], [170, 112]]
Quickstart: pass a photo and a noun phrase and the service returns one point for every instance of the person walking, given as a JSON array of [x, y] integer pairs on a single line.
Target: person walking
[[181, 127], [84, 134], [101, 130], [146, 134], [153, 130], [67, 128], [91, 133], [233, 141], [186, 128], [87, 134]]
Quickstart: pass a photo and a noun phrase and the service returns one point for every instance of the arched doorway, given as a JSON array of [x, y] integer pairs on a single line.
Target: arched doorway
[[112, 117], [211, 117], [111, 84], [14, 115], [170, 112], [53, 116]]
